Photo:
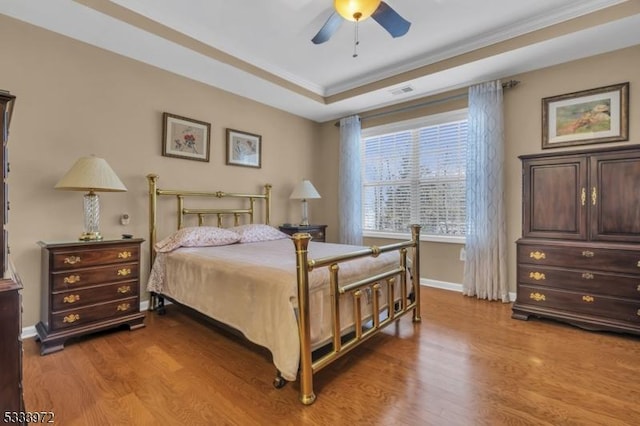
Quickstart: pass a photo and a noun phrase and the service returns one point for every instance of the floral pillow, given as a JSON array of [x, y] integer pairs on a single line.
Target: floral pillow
[[197, 236], [257, 232]]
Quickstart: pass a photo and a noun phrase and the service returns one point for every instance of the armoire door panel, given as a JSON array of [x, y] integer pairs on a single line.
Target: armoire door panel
[[615, 183], [555, 199]]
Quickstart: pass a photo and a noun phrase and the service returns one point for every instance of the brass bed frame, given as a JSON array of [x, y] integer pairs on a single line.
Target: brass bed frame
[[409, 302]]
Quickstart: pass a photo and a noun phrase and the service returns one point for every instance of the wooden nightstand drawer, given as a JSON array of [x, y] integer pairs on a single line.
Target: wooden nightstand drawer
[[93, 313], [68, 280], [81, 257], [88, 296]]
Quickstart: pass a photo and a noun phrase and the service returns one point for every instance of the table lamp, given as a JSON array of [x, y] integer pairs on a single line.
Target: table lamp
[[303, 191], [91, 174]]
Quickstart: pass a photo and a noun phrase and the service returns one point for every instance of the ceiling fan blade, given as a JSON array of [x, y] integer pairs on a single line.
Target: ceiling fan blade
[[328, 29], [389, 19]]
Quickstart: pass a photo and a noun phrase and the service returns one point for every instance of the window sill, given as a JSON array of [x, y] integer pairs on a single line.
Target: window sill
[[407, 236]]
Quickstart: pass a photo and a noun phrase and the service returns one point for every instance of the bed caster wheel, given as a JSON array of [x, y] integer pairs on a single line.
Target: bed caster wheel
[[279, 382]]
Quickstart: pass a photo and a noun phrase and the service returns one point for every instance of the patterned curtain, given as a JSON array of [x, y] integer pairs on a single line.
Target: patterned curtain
[[349, 183], [485, 269]]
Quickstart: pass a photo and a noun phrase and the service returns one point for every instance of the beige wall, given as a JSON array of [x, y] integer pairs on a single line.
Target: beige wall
[[74, 100]]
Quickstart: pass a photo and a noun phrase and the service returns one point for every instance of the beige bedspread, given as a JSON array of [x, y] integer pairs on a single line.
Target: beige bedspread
[[252, 287]]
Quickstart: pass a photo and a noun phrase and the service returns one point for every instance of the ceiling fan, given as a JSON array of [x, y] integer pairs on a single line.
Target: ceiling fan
[[359, 10]]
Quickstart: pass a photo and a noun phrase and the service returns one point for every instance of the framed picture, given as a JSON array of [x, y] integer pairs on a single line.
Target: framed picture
[[185, 138], [591, 116], [244, 149]]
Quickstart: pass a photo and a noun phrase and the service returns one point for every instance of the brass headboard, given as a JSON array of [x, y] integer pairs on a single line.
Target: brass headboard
[[201, 213]]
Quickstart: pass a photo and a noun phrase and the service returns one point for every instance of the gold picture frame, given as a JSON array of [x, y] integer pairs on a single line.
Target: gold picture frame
[[186, 138], [244, 149], [590, 116]]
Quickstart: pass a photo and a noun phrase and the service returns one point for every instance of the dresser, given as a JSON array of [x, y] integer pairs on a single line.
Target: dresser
[[88, 286], [317, 232], [579, 255], [10, 286]]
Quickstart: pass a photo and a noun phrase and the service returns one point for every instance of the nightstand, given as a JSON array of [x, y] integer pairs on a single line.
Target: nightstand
[[88, 286], [317, 231]]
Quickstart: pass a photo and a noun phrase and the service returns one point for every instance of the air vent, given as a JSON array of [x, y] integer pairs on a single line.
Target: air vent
[[401, 90]]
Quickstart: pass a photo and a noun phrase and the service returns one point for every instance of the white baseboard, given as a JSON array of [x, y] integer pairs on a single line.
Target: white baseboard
[[29, 332], [452, 286]]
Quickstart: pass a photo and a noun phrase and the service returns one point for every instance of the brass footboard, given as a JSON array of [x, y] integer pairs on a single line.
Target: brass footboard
[[376, 284]]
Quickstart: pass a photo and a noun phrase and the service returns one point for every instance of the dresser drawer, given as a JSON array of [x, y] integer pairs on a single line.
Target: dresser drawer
[[93, 313], [79, 278], [580, 302], [614, 285], [78, 258], [89, 296], [576, 257]]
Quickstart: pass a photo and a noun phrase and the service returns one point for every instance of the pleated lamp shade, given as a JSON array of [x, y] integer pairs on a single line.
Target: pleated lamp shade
[[91, 174]]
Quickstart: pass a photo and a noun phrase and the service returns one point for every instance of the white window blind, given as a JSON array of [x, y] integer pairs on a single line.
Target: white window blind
[[414, 172]]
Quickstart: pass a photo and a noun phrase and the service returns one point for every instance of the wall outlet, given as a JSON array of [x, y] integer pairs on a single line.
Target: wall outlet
[[463, 254]]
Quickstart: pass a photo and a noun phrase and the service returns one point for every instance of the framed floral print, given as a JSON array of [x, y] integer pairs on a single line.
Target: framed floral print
[[244, 149], [185, 138]]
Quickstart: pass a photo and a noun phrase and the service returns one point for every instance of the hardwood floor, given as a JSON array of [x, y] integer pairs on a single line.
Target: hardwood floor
[[467, 363]]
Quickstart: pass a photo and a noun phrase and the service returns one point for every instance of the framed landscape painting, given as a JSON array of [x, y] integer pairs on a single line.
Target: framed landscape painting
[[590, 116]]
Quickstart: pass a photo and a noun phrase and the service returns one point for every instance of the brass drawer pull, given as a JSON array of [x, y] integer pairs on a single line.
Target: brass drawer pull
[[588, 253], [537, 276], [124, 272], [537, 255], [638, 264], [583, 196], [537, 297], [72, 298], [588, 299], [123, 307], [124, 289], [587, 275], [72, 279], [124, 255], [594, 195], [638, 287], [72, 260], [71, 318], [638, 312]]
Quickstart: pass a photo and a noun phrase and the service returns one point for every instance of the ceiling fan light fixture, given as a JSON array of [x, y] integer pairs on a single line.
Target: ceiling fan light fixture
[[356, 10]]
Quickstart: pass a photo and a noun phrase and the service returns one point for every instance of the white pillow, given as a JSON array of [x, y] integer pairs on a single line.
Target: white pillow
[[258, 232], [197, 236]]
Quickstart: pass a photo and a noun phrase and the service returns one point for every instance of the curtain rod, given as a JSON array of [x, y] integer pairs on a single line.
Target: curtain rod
[[506, 85]]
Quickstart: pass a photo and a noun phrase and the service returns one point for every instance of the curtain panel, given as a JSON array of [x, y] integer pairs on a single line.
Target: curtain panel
[[485, 270], [349, 182]]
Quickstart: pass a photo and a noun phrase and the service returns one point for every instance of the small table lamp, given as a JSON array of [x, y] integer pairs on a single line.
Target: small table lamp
[[91, 174], [303, 191]]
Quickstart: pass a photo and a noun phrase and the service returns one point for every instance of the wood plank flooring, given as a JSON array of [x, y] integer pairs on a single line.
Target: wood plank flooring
[[467, 363]]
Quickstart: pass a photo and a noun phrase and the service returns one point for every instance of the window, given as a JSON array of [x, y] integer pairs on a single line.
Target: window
[[414, 172]]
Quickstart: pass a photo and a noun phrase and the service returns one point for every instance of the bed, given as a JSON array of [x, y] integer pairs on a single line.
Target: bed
[[307, 302]]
